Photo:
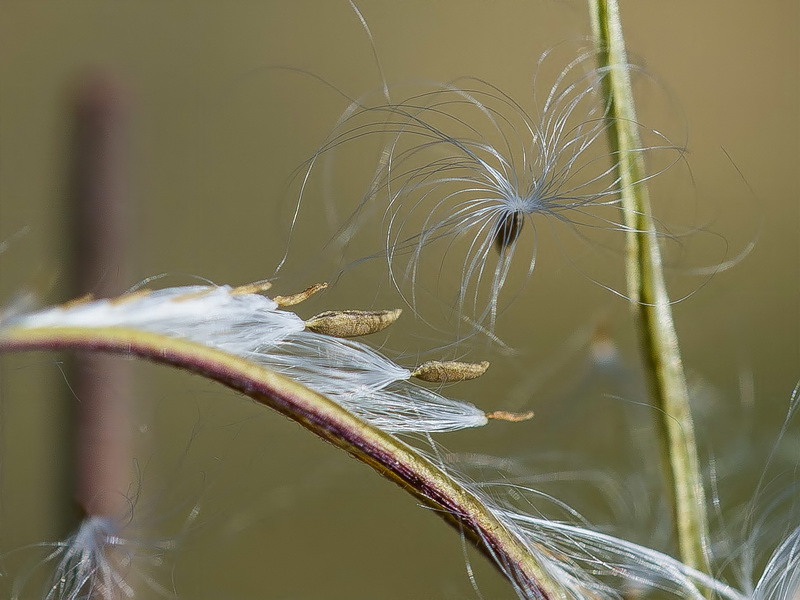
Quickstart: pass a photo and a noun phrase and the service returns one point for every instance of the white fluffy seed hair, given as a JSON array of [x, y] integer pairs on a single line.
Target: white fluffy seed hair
[[252, 326], [467, 170], [570, 552], [590, 563], [781, 578], [98, 563], [586, 562]]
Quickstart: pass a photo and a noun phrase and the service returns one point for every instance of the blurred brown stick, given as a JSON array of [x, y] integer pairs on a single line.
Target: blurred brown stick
[[101, 238]]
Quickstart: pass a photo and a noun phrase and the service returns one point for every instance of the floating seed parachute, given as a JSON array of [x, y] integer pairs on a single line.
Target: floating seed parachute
[[466, 174]]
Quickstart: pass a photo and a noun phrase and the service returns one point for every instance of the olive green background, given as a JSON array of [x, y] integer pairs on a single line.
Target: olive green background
[[218, 127]]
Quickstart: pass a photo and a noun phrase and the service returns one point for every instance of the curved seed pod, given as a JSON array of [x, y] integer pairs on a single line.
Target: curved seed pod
[[352, 323], [449, 371]]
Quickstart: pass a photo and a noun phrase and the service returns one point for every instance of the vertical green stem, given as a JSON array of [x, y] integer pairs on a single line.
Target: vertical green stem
[[647, 291]]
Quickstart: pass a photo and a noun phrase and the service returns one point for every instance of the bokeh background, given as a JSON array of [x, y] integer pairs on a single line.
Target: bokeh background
[[225, 101]]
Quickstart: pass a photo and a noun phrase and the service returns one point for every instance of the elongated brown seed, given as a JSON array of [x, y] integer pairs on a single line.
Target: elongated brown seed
[[503, 415], [300, 296], [352, 323], [507, 230], [259, 287], [137, 295], [85, 299], [437, 371]]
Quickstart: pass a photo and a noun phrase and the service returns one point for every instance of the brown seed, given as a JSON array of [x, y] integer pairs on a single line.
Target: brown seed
[[250, 288], [449, 371], [301, 296], [85, 299], [258, 287], [352, 323], [503, 415], [507, 230], [137, 295]]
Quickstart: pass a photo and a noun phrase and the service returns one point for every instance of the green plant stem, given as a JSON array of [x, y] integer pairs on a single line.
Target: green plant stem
[[648, 295], [386, 454]]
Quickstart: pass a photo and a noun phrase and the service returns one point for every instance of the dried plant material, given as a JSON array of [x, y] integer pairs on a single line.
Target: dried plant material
[[301, 296], [436, 371], [352, 323], [85, 299], [514, 417], [252, 326], [199, 293], [258, 287], [541, 556], [125, 298]]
